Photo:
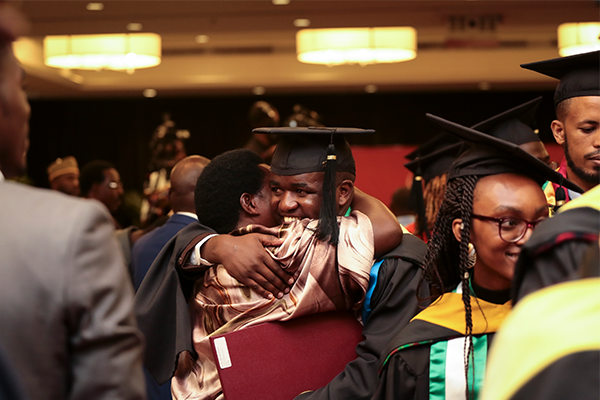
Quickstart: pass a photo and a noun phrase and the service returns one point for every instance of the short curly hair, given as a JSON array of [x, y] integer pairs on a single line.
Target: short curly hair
[[222, 183]]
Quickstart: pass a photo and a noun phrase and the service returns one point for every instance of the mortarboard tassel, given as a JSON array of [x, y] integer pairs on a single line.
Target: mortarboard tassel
[[328, 225]]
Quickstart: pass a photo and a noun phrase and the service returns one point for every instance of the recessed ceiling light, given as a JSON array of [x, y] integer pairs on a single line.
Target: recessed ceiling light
[[301, 23], [258, 90], [280, 2], [202, 39], [95, 6], [134, 26], [371, 88], [149, 93]]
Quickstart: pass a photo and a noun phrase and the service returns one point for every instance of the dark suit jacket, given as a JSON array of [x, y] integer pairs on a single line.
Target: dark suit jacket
[[66, 320], [143, 254], [146, 249]]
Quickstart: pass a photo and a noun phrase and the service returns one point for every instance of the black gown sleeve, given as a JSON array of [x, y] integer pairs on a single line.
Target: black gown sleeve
[[555, 251], [575, 376], [557, 265], [394, 303], [405, 376], [160, 305]]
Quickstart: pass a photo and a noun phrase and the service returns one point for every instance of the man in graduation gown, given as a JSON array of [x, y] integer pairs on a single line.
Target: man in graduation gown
[[576, 129], [555, 251], [328, 277], [391, 301]]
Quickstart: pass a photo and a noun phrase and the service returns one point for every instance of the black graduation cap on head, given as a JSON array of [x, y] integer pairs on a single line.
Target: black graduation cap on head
[[490, 156], [579, 74], [431, 162], [514, 125], [316, 149], [437, 162], [437, 142]]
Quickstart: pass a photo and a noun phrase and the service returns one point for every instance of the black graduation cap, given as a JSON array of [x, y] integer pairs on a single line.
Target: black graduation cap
[[490, 156], [514, 125], [437, 142], [316, 149], [437, 162], [305, 149], [579, 74], [432, 161]]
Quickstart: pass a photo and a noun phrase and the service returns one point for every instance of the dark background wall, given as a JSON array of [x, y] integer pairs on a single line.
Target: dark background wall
[[119, 130]]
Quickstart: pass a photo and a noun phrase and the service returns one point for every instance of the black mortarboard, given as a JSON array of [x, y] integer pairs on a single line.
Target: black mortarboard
[[437, 162], [431, 161], [514, 125], [437, 142], [316, 149], [579, 74], [304, 149], [490, 156]]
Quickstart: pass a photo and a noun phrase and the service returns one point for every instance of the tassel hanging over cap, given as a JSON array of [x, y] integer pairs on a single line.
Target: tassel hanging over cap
[[328, 225]]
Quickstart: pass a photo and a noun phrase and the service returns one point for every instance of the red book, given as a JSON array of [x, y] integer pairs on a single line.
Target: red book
[[280, 360]]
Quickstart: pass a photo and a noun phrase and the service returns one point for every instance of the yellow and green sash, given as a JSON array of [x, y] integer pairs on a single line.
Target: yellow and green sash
[[442, 326]]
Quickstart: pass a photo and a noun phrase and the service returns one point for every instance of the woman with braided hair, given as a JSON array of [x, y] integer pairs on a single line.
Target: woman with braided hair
[[493, 201]]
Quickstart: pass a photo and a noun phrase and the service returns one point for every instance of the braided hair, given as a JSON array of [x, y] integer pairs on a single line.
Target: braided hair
[[446, 260], [433, 195]]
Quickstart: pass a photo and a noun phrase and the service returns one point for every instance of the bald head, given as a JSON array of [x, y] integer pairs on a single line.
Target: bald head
[[183, 182]]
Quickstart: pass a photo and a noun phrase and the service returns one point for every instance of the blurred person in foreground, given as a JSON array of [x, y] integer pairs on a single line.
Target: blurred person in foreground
[[66, 319]]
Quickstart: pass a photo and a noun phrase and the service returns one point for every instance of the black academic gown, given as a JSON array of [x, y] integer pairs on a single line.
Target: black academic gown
[[393, 303], [555, 250], [549, 348], [405, 363], [161, 304]]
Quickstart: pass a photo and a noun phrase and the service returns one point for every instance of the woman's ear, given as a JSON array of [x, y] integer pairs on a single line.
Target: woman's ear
[[345, 192], [457, 225], [247, 203]]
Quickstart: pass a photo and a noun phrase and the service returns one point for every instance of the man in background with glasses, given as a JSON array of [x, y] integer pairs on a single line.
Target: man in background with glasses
[[100, 180]]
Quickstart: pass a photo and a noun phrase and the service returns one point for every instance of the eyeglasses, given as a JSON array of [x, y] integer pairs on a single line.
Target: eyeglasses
[[511, 229], [115, 185]]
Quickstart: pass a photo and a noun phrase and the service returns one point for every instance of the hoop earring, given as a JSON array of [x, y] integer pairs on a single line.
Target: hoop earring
[[472, 256]]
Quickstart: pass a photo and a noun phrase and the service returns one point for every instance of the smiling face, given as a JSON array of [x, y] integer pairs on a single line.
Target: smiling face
[[578, 132], [502, 196], [296, 196]]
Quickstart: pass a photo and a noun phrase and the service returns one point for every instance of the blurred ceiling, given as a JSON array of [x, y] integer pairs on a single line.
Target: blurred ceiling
[[463, 45]]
